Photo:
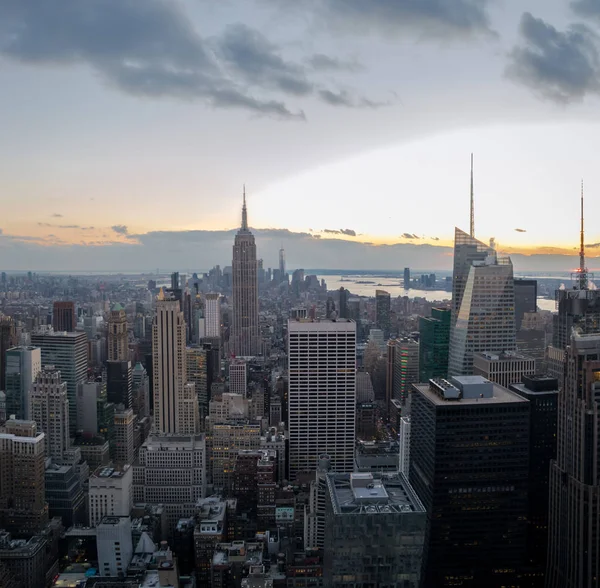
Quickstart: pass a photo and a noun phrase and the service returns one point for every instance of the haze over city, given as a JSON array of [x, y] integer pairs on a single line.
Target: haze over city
[[127, 137]]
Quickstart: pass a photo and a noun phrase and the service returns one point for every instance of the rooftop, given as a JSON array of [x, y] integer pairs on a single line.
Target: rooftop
[[503, 356], [464, 390], [372, 493]]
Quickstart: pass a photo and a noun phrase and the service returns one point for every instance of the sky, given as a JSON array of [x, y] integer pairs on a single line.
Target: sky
[[129, 127]]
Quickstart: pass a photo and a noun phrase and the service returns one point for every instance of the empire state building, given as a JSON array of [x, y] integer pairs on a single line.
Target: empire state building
[[245, 337]]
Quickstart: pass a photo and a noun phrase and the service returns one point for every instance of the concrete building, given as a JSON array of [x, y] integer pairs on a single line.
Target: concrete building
[[23, 508], [110, 493], [68, 353], [402, 368], [8, 339], [469, 464], [171, 470], [141, 391], [50, 411], [63, 316], [123, 452], [23, 364], [238, 377], [383, 312], [379, 519], [245, 338], [115, 547], [504, 368], [210, 530], [197, 373], [321, 394], [117, 334], [404, 446], [212, 316], [64, 494], [314, 511]]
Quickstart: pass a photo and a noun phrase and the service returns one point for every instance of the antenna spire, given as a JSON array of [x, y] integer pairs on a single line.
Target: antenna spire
[[583, 272], [244, 212], [472, 202]]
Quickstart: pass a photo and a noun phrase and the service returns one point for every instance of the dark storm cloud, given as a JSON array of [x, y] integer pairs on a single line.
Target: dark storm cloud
[[587, 8], [561, 66], [120, 229], [144, 48], [321, 62]]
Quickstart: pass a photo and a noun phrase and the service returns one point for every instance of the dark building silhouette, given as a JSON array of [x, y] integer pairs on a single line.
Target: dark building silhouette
[[469, 464], [63, 316], [525, 299], [343, 307], [383, 311], [7, 340], [119, 383]]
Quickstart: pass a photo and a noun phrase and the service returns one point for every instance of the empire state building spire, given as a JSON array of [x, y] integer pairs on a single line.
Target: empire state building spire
[[244, 213]]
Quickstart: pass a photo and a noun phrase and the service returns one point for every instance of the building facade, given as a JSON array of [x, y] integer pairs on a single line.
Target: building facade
[[504, 368], [383, 308], [110, 493], [23, 364], [117, 334], [321, 394], [63, 316], [212, 316], [434, 344]]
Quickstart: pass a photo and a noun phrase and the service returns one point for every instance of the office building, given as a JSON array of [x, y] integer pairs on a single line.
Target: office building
[[64, 317], [8, 339], [380, 521], [383, 312], [68, 353], [141, 391], [171, 471], [404, 445], [486, 319], [574, 533], [95, 415], [469, 464], [282, 274], [434, 344], [503, 368], [2, 407], [119, 382], [115, 546], [50, 411], [321, 394], [343, 304], [64, 494], [245, 334], [123, 452], [212, 316], [23, 364], [238, 377], [406, 278], [542, 393], [173, 412], [525, 299], [402, 368], [110, 493], [197, 373], [23, 508], [117, 334]]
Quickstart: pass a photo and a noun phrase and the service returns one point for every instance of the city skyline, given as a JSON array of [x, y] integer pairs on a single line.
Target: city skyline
[[327, 121]]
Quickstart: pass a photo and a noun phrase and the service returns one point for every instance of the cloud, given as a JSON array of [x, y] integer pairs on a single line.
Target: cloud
[[120, 229], [409, 236], [560, 66], [348, 232], [322, 62], [592, 245], [435, 238], [147, 49], [56, 215], [521, 230], [344, 98], [586, 8]]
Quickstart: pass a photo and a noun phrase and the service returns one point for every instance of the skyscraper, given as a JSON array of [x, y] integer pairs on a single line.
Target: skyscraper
[[50, 411], [23, 364], [434, 344], [245, 336], [171, 392], [212, 316], [7, 340], [238, 377], [117, 335], [63, 316], [486, 317], [469, 464], [406, 278], [282, 264], [343, 307], [383, 311], [68, 353], [321, 394], [402, 368], [525, 299]]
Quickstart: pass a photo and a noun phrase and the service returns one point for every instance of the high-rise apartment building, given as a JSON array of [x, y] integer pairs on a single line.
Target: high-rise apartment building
[[8, 339], [68, 353], [63, 316], [321, 394], [486, 319], [574, 532], [380, 521], [434, 344], [503, 368], [525, 299], [173, 411], [23, 364], [23, 508], [245, 334], [238, 377], [117, 334], [469, 464], [383, 307], [50, 411], [212, 316]]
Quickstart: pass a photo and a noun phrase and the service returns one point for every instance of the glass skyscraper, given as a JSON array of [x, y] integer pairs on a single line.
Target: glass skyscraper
[[434, 344]]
